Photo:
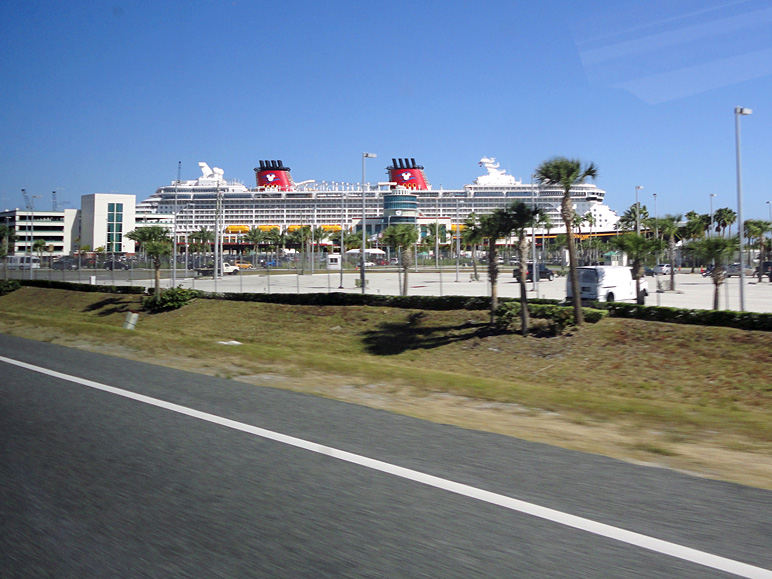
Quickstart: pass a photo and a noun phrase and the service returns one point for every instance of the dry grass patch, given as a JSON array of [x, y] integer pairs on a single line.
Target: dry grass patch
[[625, 388]]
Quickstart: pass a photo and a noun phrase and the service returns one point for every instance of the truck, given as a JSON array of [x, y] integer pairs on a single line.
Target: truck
[[606, 283], [227, 269]]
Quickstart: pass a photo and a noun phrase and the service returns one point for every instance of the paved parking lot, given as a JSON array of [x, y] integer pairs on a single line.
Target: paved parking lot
[[692, 290]]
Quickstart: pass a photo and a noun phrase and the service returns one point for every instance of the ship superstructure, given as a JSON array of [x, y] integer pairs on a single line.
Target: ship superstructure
[[278, 202]]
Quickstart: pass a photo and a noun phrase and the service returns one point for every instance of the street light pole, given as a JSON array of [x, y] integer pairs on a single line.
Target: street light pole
[[710, 226], [342, 225], [738, 112], [364, 222], [174, 226], [535, 271], [637, 211], [458, 236]]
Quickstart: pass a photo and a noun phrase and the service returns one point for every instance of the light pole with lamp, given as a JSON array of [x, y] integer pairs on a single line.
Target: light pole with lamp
[[342, 226], [738, 112], [174, 227], [535, 271], [637, 211], [458, 235], [364, 222], [710, 225], [30, 200]]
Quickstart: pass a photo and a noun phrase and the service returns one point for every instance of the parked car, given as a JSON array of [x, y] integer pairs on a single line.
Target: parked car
[[662, 269], [545, 273], [269, 263], [116, 265], [733, 270], [65, 263], [766, 269]]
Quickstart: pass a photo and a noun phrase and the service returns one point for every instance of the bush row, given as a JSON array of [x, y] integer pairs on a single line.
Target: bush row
[[83, 287], [725, 318]]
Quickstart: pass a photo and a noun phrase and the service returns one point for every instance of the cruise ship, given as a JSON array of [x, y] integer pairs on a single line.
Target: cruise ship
[[277, 201]]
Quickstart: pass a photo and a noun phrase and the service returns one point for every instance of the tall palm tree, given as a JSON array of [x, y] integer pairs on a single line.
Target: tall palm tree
[[301, 237], [156, 244], [402, 237], [523, 217], [755, 233], [724, 218], [670, 229], [254, 237], [494, 226], [566, 174], [627, 220], [638, 248], [716, 251], [472, 235], [695, 228], [202, 240]]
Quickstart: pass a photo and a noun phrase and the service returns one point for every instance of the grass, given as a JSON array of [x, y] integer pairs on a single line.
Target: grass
[[694, 385]]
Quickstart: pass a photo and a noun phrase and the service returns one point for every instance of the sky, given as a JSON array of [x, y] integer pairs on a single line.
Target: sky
[[101, 97]]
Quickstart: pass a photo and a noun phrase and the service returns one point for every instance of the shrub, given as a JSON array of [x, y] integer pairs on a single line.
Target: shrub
[[9, 286], [170, 299], [560, 317]]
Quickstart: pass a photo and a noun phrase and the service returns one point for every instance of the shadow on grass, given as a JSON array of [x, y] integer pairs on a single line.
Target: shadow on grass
[[390, 339], [113, 305]]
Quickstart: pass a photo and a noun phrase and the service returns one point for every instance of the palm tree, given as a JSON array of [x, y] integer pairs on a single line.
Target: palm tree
[[472, 235], [567, 173], [755, 232], [254, 237], [669, 228], [724, 218], [156, 243], [39, 246], [402, 237], [523, 217], [695, 228], [202, 240], [638, 248], [627, 221], [277, 238], [716, 251], [494, 226], [301, 237]]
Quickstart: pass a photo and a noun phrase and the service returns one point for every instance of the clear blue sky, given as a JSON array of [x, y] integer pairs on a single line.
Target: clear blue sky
[[109, 96]]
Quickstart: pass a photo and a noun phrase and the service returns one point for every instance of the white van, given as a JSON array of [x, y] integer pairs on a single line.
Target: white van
[[23, 262], [606, 283]]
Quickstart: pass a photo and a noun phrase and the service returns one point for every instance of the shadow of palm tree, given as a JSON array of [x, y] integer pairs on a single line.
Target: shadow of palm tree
[[113, 305], [392, 338]]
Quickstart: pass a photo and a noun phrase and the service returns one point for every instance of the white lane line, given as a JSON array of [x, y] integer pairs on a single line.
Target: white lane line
[[580, 523]]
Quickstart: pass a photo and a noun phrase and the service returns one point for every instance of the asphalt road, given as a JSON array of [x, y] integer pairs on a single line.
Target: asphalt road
[[194, 482]]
